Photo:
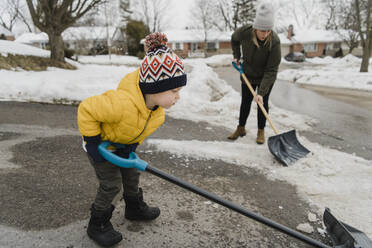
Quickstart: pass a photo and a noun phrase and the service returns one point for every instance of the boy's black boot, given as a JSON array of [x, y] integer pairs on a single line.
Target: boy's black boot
[[100, 228], [137, 209]]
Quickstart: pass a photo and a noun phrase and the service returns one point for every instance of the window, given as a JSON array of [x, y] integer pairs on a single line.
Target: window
[[337, 45], [178, 46], [211, 45], [311, 47], [194, 46]]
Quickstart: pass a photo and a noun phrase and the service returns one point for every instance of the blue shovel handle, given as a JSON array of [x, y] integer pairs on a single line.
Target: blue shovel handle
[[132, 162], [238, 67]]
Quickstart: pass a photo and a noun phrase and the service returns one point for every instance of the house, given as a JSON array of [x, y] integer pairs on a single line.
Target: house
[[84, 40], [191, 42], [6, 34], [89, 40], [315, 43], [39, 40]]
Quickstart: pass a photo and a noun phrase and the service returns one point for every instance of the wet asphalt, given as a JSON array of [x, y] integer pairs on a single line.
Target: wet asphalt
[[47, 186], [344, 117]]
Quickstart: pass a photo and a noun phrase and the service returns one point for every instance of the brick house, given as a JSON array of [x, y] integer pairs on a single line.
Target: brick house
[[191, 42], [314, 43]]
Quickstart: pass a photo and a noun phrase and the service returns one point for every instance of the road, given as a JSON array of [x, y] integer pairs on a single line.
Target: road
[[47, 186], [344, 116]]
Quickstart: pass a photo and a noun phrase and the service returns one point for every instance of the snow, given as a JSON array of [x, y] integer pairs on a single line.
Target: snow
[[331, 72], [313, 36], [29, 38], [71, 34], [11, 47], [325, 178], [106, 60]]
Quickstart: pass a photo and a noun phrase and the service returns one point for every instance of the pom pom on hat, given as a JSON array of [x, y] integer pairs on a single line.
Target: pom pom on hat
[[264, 16], [155, 40], [161, 69]]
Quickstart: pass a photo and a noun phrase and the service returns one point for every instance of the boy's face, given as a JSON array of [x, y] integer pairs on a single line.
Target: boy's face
[[167, 98]]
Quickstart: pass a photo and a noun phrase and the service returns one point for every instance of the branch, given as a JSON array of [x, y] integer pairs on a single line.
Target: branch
[[35, 17], [359, 23]]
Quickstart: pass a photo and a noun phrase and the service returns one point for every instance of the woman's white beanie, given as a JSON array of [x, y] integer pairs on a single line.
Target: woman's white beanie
[[264, 16]]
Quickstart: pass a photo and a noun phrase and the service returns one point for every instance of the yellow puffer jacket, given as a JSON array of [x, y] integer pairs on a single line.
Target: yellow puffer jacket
[[120, 115]]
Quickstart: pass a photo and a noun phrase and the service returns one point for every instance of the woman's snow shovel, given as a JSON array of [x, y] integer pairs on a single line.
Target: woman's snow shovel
[[343, 236], [285, 147]]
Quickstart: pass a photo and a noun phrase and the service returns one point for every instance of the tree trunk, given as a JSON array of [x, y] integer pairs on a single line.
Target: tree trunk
[[365, 59], [56, 47], [367, 50]]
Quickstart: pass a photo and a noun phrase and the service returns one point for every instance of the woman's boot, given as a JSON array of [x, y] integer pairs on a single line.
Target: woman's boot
[[137, 209], [260, 136], [100, 228], [239, 132]]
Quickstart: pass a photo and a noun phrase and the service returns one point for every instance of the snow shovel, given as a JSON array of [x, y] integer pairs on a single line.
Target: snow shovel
[[285, 147], [343, 238]]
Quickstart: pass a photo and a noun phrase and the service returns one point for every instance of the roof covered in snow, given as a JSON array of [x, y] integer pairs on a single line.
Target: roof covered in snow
[[314, 36], [29, 38], [71, 34]]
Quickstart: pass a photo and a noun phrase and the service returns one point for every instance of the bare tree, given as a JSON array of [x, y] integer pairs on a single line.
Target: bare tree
[[363, 14], [13, 11], [125, 10], [152, 13], [55, 16], [225, 10], [342, 18], [303, 14], [203, 17]]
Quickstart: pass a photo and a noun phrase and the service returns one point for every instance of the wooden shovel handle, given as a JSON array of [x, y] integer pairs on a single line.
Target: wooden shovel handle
[[259, 104]]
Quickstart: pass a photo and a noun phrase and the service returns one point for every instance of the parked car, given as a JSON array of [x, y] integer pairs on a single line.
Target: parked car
[[295, 57]]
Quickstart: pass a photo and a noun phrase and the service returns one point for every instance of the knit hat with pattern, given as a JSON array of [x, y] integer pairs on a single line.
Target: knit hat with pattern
[[264, 16], [161, 69]]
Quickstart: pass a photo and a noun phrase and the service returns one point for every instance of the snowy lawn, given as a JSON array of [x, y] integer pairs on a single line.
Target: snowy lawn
[[326, 178], [331, 72]]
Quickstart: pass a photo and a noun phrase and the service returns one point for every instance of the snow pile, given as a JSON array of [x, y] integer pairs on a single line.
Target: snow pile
[[325, 178], [338, 73], [106, 60], [58, 85], [219, 60], [11, 47]]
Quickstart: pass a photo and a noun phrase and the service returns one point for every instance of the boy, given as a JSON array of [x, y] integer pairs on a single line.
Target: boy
[[128, 115]]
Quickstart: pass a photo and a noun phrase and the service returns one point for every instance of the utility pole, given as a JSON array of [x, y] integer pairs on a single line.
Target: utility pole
[[107, 33]]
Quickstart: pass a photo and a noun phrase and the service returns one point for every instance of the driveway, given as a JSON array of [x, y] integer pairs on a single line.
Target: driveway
[[47, 186]]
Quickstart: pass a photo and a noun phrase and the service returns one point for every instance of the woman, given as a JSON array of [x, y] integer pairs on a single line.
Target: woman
[[261, 59]]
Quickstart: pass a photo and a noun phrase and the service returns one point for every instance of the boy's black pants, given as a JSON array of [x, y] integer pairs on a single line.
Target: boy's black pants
[[245, 106], [111, 178]]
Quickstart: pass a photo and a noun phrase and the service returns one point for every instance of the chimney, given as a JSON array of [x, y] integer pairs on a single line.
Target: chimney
[[290, 32]]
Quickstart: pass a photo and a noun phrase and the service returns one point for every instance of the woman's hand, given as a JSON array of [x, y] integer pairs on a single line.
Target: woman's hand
[[259, 99], [236, 61]]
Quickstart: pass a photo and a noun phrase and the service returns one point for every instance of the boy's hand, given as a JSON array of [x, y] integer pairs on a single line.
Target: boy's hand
[[91, 145]]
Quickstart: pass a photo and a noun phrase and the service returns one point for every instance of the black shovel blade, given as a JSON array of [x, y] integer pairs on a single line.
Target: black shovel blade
[[286, 148], [343, 235]]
